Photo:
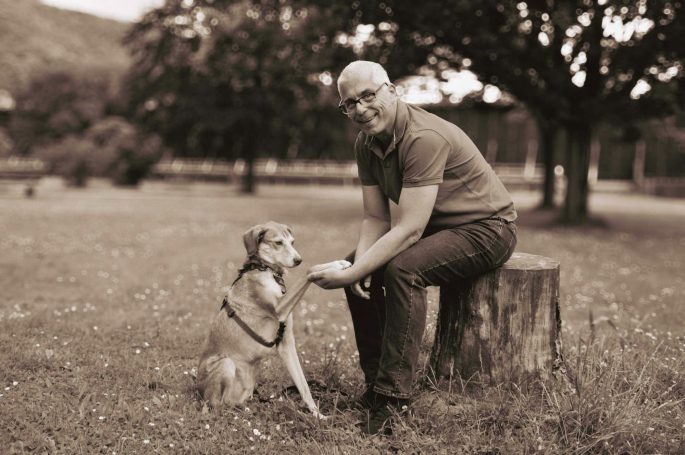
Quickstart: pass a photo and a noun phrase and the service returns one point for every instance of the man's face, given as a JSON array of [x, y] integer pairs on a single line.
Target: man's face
[[376, 117]]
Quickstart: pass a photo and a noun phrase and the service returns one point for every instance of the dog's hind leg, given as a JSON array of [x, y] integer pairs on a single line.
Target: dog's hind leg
[[217, 386]]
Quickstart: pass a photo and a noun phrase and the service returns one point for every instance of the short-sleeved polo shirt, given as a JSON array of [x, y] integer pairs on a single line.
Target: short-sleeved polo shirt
[[427, 150]]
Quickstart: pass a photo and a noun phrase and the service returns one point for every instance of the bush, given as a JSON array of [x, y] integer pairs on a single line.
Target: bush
[[6, 143], [58, 104], [131, 154], [110, 148], [71, 158]]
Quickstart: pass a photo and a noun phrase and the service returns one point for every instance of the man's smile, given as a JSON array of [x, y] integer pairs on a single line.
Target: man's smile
[[365, 121]]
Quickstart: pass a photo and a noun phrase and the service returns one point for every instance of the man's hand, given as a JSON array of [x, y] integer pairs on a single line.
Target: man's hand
[[317, 275], [358, 288], [331, 275], [339, 265]]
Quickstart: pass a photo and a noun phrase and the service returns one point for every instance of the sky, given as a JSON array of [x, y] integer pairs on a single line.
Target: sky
[[121, 10]]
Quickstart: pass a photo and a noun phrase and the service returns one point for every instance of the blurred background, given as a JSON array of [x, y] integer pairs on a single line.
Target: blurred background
[[562, 98]]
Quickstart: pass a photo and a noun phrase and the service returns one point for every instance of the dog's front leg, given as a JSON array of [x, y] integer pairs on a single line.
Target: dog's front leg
[[288, 352], [286, 304]]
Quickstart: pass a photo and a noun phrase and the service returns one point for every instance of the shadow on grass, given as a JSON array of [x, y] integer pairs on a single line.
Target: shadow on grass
[[633, 222]]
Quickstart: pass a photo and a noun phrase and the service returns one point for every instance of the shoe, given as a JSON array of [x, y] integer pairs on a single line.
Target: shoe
[[364, 401], [382, 415]]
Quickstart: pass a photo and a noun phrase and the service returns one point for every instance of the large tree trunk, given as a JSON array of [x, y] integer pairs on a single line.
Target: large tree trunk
[[248, 152], [547, 136], [502, 326], [578, 164]]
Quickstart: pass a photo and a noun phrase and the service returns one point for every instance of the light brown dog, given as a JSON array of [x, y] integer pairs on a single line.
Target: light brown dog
[[256, 321]]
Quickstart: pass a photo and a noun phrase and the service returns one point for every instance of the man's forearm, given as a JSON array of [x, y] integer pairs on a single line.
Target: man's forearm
[[383, 250], [370, 231]]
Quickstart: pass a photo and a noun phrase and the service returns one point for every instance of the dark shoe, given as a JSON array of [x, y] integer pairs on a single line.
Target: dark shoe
[[364, 401], [381, 417]]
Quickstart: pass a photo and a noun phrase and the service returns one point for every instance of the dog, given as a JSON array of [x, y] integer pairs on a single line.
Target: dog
[[256, 321]]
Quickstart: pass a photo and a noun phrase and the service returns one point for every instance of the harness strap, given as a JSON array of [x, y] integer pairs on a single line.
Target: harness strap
[[255, 263], [254, 335]]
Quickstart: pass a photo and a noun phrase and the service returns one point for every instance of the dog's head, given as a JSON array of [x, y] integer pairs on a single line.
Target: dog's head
[[272, 243]]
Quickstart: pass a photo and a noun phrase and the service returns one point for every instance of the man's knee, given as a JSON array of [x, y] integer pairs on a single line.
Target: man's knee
[[398, 270]]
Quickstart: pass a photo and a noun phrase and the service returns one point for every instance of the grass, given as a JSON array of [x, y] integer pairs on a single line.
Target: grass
[[107, 292]]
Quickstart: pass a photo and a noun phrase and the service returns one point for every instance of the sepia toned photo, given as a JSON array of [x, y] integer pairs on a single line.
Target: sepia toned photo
[[327, 227]]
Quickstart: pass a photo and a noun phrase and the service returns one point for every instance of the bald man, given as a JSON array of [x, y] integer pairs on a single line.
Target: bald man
[[435, 214]]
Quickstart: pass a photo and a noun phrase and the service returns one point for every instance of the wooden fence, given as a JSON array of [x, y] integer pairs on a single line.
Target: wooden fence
[[527, 175]]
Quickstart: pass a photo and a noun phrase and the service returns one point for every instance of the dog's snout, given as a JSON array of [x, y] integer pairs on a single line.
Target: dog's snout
[[298, 260]]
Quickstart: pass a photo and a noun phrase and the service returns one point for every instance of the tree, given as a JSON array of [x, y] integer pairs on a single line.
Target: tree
[[230, 78], [112, 148], [55, 105], [573, 64]]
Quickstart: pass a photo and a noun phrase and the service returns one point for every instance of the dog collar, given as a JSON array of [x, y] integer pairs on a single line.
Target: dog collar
[[255, 263], [254, 335]]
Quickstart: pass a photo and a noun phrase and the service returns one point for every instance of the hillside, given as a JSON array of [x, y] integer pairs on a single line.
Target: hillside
[[35, 37]]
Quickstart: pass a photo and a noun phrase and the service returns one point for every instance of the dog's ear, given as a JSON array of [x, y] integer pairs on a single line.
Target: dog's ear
[[252, 238]]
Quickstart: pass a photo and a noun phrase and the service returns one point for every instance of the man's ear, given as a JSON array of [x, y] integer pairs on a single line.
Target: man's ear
[[252, 237]]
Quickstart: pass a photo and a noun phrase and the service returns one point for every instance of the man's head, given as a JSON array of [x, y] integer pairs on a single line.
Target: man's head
[[368, 97]]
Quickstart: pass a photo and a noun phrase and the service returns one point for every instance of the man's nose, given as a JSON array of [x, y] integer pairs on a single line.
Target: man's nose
[[360, 109]]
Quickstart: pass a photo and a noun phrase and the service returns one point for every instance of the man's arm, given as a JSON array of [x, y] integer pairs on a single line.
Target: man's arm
[[415, 207], [375, 223], [376, 220]]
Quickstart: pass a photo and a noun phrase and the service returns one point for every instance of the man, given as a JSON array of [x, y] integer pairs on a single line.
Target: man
[[435, 214]]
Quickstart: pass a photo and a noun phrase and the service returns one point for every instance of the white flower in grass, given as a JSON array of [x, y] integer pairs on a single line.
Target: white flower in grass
[[256, 432]]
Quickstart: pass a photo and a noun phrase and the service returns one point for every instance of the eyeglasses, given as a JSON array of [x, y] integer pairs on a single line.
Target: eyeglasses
[[367, 98]]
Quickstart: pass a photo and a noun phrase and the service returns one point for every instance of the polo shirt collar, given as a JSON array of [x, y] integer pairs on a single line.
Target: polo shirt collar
[[401, 120]]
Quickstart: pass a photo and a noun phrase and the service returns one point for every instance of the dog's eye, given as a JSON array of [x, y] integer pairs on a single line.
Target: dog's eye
[[279, 242]]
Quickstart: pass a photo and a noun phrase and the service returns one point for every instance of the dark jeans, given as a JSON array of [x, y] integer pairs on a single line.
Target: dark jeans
[[389, 327]]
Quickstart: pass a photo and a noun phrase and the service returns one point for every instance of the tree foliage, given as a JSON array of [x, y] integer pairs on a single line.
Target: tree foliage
[[232, 78], [572, 63], [112, 148], [57, 104]]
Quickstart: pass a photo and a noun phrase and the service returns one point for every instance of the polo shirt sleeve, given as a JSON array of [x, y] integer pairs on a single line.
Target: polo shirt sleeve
[[361, 154], [425, 159]]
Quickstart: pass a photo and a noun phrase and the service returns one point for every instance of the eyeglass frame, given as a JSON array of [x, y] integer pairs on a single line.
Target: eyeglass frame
[[343, 108]]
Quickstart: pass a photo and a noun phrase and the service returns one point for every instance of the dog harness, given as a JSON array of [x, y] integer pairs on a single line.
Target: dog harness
[[255, 263], [254, 335]]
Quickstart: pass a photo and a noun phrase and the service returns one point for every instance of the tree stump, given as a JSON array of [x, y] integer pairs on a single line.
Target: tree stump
[[503, 325]]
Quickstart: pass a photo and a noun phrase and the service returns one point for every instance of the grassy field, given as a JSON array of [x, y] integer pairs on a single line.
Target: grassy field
[[107, 294]]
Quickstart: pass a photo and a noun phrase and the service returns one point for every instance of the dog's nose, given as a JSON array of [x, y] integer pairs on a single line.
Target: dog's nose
[[298, 261]]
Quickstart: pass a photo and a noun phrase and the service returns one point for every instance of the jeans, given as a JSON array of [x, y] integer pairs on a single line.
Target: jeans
[[389, 327]]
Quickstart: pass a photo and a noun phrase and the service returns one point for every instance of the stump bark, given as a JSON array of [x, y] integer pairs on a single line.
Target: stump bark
[[501, 326]]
